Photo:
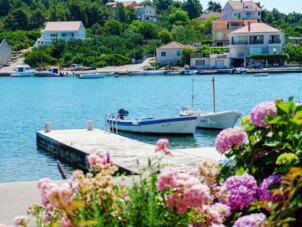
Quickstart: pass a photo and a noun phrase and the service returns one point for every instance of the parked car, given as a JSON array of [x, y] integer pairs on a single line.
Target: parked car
[[74, 67], [257, 66]]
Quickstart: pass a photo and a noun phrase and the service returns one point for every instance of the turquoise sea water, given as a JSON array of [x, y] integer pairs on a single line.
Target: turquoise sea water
[[26, 103]]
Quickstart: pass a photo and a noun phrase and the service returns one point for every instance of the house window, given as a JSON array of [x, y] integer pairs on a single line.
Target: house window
[[63, 34], [163, 54], [72, 34], [200, 62], [53, 35], [178, 53]]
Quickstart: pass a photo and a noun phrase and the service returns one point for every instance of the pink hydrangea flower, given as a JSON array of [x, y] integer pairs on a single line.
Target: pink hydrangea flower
[[264, 193], [261, 111], [230, 137], [168, 178], [161, 145], [21, 220], [99, 159], [65, 222], [252, 220], [242, 190]]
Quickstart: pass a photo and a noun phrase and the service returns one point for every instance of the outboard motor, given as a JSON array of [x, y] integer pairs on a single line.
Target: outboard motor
[[122, 113]]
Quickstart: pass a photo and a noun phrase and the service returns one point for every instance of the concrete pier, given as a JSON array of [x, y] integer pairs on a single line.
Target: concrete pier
[[75, 145]]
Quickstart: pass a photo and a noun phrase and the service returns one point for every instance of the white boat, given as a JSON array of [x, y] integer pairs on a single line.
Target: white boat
[[94, 75], [190, 72], [23, 71], [135, 73], [152, 72], [238, 70], [182, 125], [211, 120], [52, 72]]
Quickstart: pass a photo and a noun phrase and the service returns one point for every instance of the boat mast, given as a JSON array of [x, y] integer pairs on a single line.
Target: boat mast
[[214, 99], [193, 93]]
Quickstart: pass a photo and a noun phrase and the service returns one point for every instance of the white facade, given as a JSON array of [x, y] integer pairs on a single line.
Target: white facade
[[146, 13], [234, 10], [66, 30], [214, 61], [5, 53], [245, 44]]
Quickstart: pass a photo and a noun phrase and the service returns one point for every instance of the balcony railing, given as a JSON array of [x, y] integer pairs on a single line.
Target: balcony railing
[[276, 41], [257, 42], [240, 43]]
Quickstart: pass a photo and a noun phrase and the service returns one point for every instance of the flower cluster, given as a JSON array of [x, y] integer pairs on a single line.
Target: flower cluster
[[286, 159], [230, 137], [98, 160], [161, 145], [187, 191], [252, 220], [242, 191], [262, 110], [263, 193]]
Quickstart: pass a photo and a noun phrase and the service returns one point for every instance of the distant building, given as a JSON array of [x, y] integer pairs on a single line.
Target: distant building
[[170, 53], [255, 38], [65, 30], [222, 28], [5, 53], [144, 12], [213, 61], [247, 10], [209, 15]]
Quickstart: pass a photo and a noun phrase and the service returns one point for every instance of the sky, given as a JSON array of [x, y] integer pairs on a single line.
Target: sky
[[284, 6]]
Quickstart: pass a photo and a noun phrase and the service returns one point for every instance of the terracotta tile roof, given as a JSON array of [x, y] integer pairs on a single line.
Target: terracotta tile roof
[[208, 15], [223, 24], [125, 3], [256, 28], [62, 26], [239, 5], [172, 45]]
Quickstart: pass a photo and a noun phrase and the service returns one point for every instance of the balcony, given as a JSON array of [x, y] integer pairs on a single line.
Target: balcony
[[261, 42], [240, 43], [276, 41]]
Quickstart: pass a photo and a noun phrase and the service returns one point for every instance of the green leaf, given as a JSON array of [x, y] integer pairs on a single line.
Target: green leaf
[[297, 119], [272, 142]]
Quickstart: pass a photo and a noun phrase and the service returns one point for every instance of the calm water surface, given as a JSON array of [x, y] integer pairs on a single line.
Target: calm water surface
[[26, 103]]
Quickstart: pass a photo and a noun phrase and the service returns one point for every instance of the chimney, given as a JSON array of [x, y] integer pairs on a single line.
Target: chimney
[[249, 26]]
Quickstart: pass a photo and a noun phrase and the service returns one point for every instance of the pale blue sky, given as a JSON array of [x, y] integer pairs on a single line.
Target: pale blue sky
[[284, 6]]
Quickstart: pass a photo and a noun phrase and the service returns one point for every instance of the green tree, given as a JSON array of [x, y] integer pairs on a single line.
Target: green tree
[[214, 6], [113, 27], [130, 14], [148, 30], [37, 19], [4, 7], [179, 17], [120, 12], [162, 5], [193, 7], [185, 56], [17, 20], [164, 36]]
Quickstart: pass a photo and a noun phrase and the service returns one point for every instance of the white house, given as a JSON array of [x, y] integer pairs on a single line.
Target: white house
[[65, 30], [143, 12], [213, 61], [5, 53], [255, 38], [234, 10], [170, 53], [146, 13]]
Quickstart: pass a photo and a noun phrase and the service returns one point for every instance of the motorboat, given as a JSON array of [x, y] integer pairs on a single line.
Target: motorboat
[[23, 71], [211, 120], [94, 75], [181, 125], [52, 72], [190, 72], [238, 70], [135, 73], [152, 72]]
